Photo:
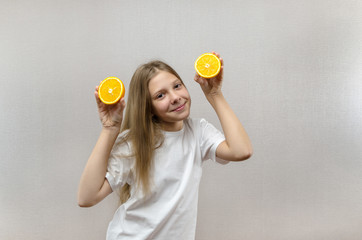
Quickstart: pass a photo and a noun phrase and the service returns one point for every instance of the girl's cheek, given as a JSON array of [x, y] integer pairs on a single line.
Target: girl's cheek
[[165, 107], [161, 106]]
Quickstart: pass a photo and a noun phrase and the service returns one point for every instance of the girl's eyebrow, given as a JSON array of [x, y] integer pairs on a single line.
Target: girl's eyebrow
[[176, 80], [161, 89]]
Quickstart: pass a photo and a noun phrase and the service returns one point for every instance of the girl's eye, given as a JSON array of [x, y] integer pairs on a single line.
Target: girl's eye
[[178, 85], [160, 95]]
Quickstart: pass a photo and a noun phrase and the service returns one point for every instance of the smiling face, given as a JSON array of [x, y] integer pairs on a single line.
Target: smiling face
[[170, 100]]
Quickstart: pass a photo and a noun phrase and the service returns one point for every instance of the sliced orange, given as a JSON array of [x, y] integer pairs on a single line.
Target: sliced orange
[[111, 90], [208, 65]]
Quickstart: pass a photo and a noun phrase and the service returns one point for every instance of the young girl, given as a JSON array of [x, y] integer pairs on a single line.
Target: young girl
[[153, 156]]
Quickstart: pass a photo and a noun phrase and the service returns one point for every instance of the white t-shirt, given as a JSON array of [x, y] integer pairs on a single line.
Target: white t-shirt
[[170, 211]]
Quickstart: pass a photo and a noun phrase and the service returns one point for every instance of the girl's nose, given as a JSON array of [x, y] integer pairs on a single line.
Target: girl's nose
[[175, 98]]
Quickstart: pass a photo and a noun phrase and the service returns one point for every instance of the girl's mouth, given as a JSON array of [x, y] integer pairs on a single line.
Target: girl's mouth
[[179, 108]]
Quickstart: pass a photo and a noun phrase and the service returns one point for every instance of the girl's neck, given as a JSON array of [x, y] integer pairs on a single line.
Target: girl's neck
[[172, 127]]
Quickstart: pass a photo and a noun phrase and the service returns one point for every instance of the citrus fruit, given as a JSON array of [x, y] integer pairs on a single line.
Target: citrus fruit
[[111, 90], [208, 65]]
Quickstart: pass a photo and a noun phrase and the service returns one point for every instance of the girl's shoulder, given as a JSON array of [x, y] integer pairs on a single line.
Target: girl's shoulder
[[203, 128], [123, 134], [122, 143], [122, 137], [196, 123]]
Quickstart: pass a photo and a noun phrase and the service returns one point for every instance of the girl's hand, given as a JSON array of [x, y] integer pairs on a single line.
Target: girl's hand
[[211, 86], [110, 115]]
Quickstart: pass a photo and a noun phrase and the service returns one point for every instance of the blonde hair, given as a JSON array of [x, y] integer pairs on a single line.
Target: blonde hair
[[144, 128]]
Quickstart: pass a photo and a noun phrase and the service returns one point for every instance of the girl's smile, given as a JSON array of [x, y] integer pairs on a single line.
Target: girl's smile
[[170, 100], [180, 108]]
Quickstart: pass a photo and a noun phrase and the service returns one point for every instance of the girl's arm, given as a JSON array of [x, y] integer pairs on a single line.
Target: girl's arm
[[237, 145], [93, 186]]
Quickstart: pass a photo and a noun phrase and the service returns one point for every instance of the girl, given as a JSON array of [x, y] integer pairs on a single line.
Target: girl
[[153, 156]]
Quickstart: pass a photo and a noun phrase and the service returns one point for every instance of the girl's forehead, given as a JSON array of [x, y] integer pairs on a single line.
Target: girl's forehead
[[161, 80]]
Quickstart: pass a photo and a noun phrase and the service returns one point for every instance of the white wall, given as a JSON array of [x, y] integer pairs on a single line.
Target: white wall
[[293, 75]]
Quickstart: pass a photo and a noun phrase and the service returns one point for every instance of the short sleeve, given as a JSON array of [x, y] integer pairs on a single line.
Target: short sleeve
[[119, 165], [210, 140]]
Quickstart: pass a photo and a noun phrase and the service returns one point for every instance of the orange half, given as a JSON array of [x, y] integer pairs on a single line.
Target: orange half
[[111, 90], [208, 65]]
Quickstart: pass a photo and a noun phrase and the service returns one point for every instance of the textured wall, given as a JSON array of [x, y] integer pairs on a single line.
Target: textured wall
[[293, 75]]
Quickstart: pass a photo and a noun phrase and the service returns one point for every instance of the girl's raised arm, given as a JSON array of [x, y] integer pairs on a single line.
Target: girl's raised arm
[[93, 186], [237, 145]]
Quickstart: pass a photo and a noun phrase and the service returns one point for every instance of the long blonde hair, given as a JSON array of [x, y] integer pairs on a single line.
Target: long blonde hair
[[144, 128]]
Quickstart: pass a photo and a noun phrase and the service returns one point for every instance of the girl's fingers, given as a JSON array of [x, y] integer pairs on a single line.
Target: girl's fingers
[[123, 104], [96, 95], [96, 91], [201, 81], [215, 53], [197, 78]]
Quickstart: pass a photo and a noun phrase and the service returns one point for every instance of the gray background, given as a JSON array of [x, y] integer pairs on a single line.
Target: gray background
[[293, 75]]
